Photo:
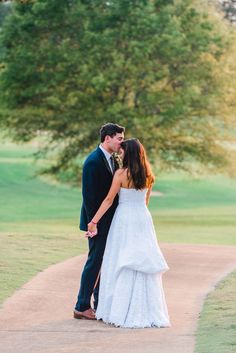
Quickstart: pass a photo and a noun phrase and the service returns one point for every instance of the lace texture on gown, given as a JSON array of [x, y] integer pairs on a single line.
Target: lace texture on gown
[[131, 293]]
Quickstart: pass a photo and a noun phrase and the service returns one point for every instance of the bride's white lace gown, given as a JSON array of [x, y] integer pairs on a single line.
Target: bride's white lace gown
[[131, 293]]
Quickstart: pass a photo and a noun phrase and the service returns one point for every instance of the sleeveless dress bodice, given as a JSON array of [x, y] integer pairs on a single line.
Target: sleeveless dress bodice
[[132, 196]]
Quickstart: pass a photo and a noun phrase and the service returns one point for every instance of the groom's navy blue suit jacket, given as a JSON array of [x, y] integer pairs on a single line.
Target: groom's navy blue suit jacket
[[96, 182]]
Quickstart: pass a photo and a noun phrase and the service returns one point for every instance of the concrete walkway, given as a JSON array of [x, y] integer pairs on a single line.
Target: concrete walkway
[[38, 317]]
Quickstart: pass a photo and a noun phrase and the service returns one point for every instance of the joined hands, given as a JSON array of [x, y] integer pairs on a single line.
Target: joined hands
[[92, 230]]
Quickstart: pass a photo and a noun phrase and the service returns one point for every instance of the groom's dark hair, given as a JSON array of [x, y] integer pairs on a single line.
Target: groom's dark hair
[[111, 130]]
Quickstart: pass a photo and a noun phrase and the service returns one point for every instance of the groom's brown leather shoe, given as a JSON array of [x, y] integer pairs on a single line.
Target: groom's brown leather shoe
[[84, 315]]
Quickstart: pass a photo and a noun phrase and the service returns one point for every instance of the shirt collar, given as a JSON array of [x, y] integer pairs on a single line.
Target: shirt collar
[[107, 154]]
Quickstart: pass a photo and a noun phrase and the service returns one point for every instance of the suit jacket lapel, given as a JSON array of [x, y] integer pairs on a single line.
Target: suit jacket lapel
[[105, 160]]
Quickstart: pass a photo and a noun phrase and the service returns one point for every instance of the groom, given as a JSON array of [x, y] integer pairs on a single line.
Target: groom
[[97, 177]]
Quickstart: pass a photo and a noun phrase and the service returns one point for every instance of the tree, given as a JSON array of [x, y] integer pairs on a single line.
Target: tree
[[5, 8], [71, 66]]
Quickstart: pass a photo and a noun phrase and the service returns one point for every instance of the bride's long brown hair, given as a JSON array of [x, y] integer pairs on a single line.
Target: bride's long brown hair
[[136, 162]]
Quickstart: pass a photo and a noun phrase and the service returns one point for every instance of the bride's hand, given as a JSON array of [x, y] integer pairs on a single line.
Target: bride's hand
[[92, 230]]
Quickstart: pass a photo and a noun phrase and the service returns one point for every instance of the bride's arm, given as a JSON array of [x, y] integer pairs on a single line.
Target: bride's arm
[[108, 201], [148, 195]]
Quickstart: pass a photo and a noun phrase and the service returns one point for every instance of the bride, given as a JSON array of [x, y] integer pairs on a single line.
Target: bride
[[131, 293]]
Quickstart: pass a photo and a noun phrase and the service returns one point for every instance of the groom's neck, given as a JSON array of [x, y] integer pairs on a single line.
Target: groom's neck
[[104, 145]]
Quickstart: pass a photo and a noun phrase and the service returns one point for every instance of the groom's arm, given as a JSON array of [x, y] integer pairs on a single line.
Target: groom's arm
[[90, 179]]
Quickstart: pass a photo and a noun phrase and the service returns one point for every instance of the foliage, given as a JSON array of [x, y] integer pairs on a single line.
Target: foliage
[[70, 66], [5, 9]]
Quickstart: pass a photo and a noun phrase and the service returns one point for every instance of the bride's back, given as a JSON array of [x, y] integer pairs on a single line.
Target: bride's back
[[132, 196], [127, 183]]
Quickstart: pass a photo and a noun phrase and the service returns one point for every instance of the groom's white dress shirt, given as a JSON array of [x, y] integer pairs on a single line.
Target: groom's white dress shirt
[[108, 157]]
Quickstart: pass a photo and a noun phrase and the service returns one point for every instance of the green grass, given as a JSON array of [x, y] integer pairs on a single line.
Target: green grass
[[183, 192], [25, 197], [23, 255], [215, 225], [217, 325], [38, 221], [200, 211]]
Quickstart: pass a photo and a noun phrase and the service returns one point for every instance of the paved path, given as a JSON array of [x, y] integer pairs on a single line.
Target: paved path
[[38, 317]]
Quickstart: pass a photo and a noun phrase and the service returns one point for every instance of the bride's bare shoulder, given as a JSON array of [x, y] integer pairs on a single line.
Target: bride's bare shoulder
[[122, 176], [121, 172]]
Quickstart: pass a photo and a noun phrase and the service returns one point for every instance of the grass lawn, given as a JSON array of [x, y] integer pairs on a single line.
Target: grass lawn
[[38, 221], [217, 324], [200, 211], [39, 226]]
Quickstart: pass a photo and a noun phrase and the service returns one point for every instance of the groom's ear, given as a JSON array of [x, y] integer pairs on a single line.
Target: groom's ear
[[107, 138]]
